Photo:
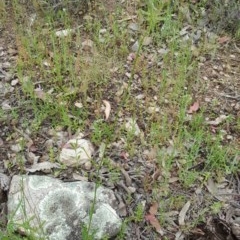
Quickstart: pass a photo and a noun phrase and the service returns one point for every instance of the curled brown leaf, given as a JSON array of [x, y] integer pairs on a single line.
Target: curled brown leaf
[[107, 108]]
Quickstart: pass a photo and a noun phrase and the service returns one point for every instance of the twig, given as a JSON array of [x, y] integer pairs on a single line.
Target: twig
[[236, 97]]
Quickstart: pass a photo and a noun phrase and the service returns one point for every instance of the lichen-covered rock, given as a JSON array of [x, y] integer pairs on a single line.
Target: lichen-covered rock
[[58, 210]]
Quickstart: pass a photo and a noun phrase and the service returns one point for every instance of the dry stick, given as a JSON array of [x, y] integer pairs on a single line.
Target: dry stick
[[236, 97]]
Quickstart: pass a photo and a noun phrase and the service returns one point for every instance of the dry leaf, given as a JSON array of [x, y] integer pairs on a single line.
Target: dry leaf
[[197, 231], [151, 154], [173, 179], [224, 39], [154, 222], [182, 213], [211, 186], [122, 209], [32, 148], [107, 109], [156, 175], [219, 191], [194, 108], [125, 156], [152, 219], [218, 120], [32, 158], [40, 93], [154, 208]]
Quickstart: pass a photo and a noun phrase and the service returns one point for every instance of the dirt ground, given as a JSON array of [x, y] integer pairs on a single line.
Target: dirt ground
[[220, 73]]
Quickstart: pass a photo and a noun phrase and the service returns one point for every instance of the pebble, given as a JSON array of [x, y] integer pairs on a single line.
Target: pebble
[[135, 46]]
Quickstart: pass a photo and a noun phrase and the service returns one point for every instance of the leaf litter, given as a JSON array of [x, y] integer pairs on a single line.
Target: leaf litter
[[151, 217]]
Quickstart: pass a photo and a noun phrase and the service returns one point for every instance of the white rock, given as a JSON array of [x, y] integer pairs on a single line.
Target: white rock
[[102, 31], [135, 46], [14, 82], [64, 33], [133, 26], [77, 151], [153, 109], [16, 148], [147, 41], [131, 126], [6, 106], [140, 96]]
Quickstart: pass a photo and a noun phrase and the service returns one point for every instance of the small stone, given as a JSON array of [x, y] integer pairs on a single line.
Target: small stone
[[135, 46], [140, 96], [229, 137], [78, 104], [46, 64], [88, 165], [131, 57], [184, 31], [133, 26], [163, 51], [153, 109], [147, 41], [128, 74], [131, 126], [76, 152], [16, 148], [14, 82], [87, 45], [6, 106], [63, 33], [135, 76], [102, 31], [132, 189]]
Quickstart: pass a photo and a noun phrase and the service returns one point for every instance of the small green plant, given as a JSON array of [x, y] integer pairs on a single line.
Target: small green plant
[[102, 130], [216, 207], [138, 213]]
